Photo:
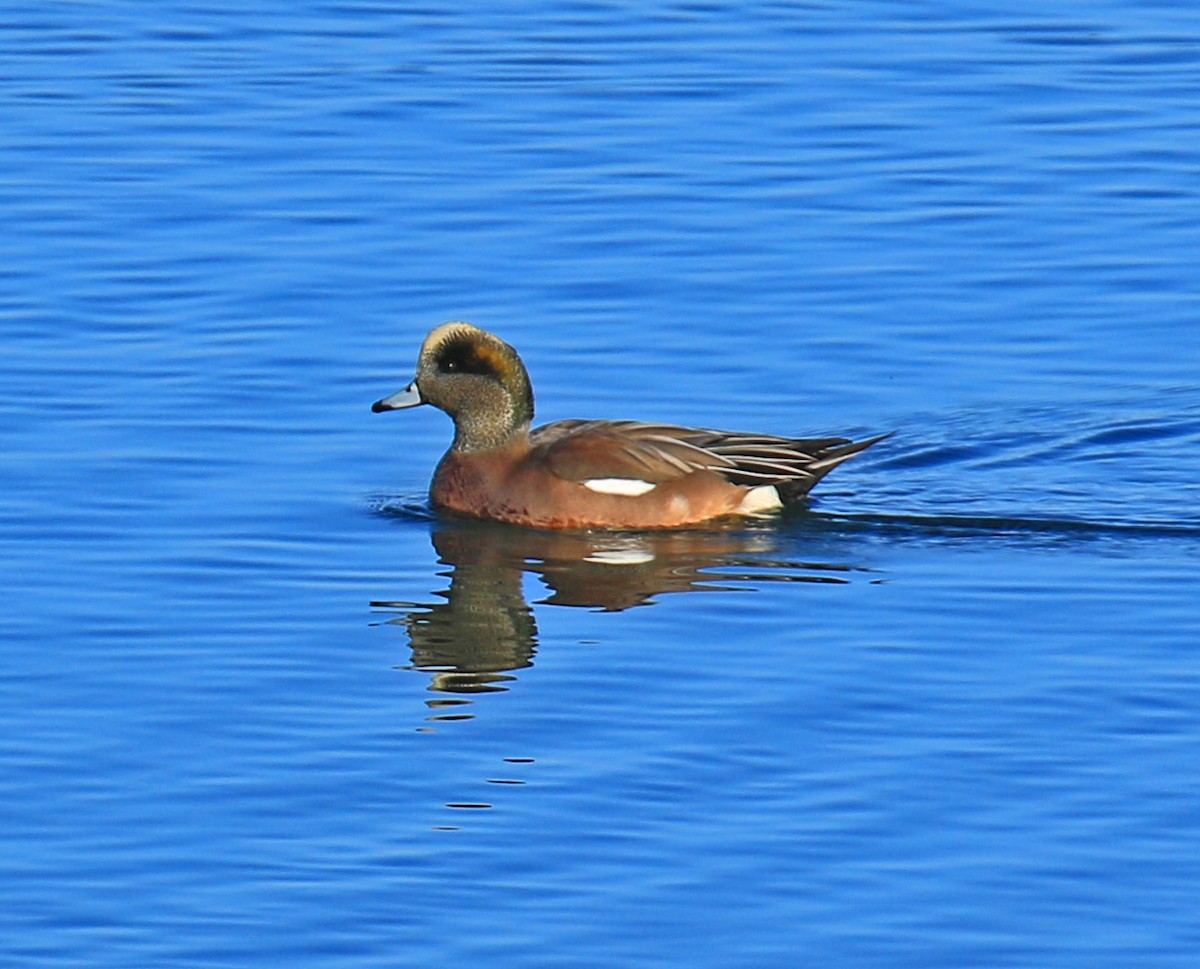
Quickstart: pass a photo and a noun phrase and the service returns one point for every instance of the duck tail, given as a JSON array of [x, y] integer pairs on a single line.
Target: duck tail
[[825, 461]]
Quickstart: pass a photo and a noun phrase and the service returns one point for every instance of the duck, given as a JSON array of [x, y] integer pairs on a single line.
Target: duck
[[592, 474]]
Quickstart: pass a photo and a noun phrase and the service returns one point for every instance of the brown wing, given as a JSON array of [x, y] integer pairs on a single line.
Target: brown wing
[[764, 459], [585, 450]]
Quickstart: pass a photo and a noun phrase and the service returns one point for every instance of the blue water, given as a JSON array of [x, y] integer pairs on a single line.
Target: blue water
[[260, 706]]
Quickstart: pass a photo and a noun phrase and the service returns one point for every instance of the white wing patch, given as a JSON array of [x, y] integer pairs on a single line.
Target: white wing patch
[[630, 487]]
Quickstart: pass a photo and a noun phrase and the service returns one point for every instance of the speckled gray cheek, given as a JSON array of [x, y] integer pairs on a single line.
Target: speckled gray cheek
[[484, 412]]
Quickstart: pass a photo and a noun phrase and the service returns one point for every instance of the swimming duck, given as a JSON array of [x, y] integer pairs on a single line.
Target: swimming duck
[[592, 473]]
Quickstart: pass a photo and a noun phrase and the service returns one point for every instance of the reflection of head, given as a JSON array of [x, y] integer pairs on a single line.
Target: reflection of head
[[482, 629]]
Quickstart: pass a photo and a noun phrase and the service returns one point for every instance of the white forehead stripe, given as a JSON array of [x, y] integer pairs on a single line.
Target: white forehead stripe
[[630, 487]]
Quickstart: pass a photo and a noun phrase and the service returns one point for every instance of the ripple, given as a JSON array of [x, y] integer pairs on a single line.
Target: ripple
[[1009, 525], [411, 507]]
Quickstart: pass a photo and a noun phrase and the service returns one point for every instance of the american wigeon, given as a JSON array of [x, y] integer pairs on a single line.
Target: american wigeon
[[592, 474]]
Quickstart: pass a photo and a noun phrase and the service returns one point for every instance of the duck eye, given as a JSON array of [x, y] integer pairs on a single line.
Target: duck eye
[[465, 358]]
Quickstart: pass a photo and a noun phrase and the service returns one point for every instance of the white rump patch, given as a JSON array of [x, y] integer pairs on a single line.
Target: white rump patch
[[760, 501], [630, 487]]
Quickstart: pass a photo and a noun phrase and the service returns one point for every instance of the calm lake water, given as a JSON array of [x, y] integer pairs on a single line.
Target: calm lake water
[[260, 706]]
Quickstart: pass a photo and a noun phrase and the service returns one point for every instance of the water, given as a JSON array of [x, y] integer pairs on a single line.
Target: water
[[261, 706]]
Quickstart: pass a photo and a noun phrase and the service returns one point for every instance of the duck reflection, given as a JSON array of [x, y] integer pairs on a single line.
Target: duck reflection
[[484, 629]]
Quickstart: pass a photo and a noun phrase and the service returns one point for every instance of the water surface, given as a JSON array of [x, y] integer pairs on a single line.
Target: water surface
[[262, 706]]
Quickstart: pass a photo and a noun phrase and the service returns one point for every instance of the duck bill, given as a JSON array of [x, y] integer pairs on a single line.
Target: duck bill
[[410, 396]]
